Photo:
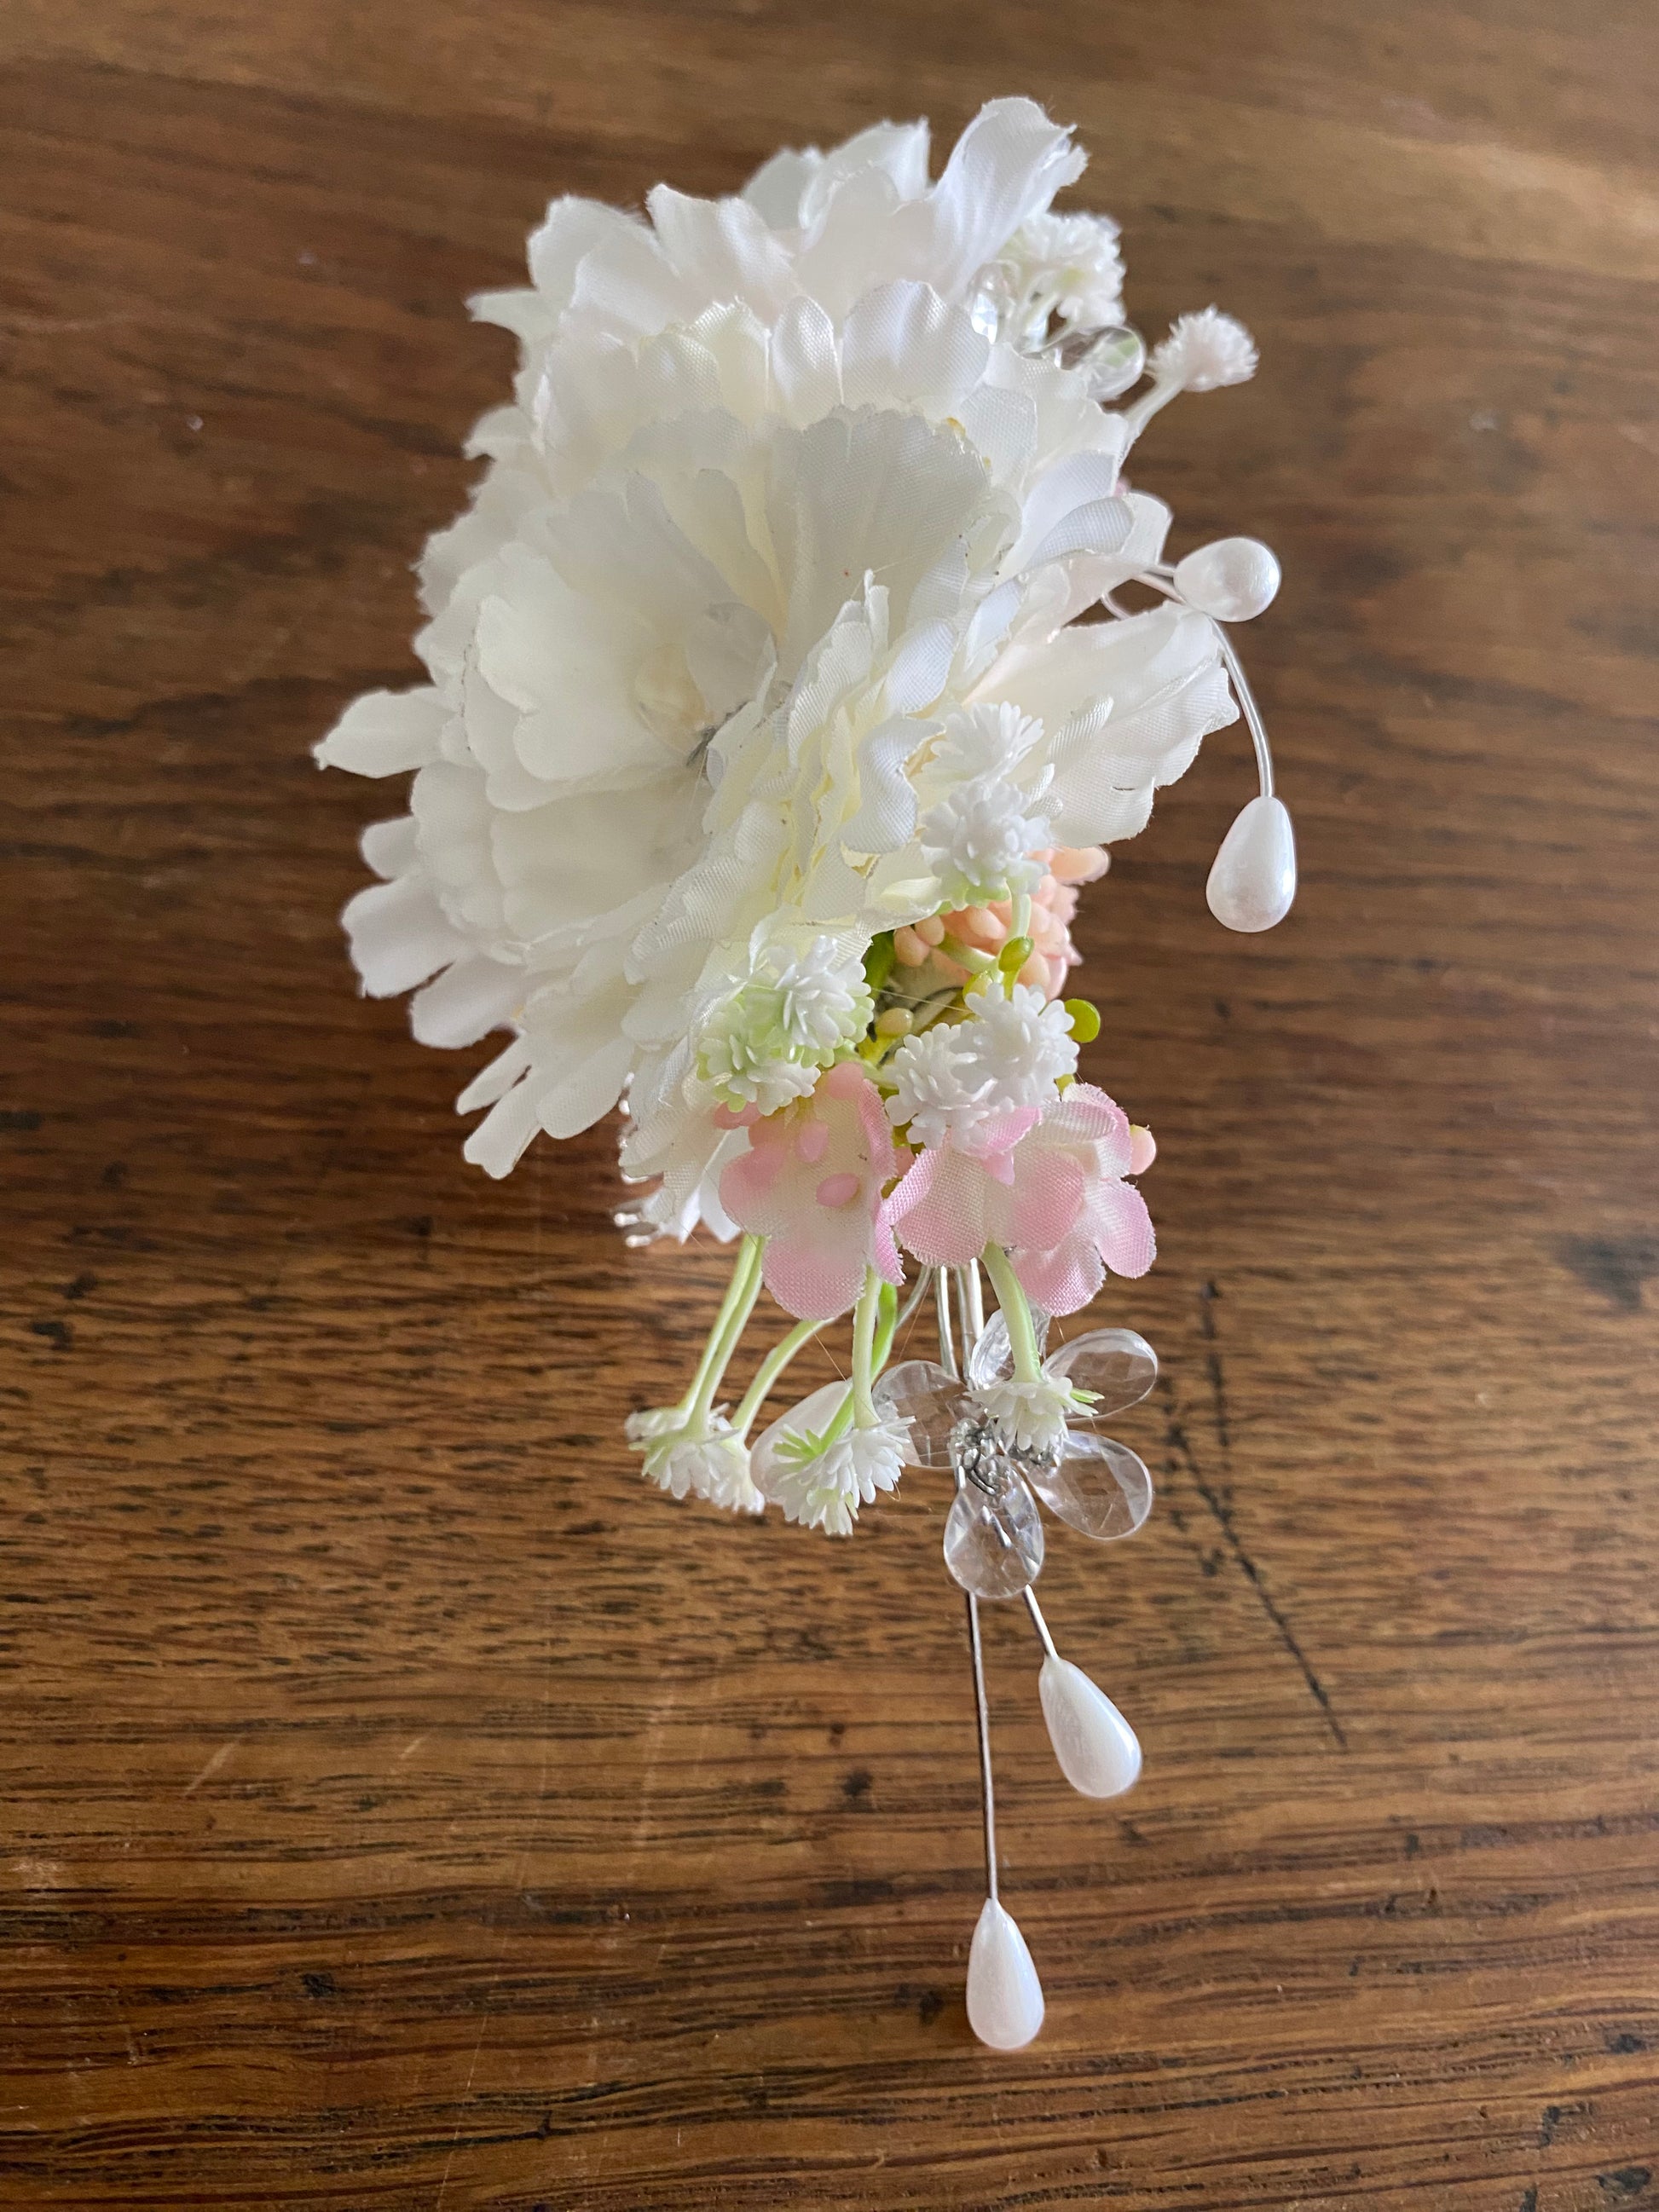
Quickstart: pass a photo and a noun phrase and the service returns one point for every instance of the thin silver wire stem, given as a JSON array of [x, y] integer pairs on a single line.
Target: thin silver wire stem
[[923, 1284], [974, 1294], [1039, 1624], [947, 1350], [1158, 576], [981, 1714], [1258, 728], [988, 1796]]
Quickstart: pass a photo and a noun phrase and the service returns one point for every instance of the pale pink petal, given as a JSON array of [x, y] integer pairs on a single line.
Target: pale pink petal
[[1045, 1201], [1000, 1133], [1123, 1227], [1064, 1280], [884, 1252], [813, 1282], [938, 1210], [1087, 1115], [810, 1184]]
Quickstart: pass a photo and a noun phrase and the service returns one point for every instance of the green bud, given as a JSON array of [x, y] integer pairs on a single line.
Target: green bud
[[1085, 1020]]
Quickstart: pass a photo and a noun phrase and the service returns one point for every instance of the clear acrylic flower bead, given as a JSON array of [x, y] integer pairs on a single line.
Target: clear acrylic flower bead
[[992, 1357], [1098, 1486], [993, 1546], [1118, 1366], [932, 1401]]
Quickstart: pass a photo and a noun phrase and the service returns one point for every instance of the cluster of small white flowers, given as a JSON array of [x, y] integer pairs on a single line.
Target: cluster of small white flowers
[[978, 841], [983, 741], [825, 1490], [1023, 1042], [1032, 1416], [740, 1058], [934, 1090], [821, 1006], [1012, 1052], [1205, 351], [1068, 265], [766, 1037], [713, 1465], [645, 1426]]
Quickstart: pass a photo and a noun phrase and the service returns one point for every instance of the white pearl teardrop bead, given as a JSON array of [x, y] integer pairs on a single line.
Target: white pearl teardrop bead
[[1234, 580], [1097, 1750], [1005, 1998], [1252, 883]]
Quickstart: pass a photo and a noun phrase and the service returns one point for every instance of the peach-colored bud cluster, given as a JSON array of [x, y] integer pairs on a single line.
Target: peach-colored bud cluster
[[985, 928]]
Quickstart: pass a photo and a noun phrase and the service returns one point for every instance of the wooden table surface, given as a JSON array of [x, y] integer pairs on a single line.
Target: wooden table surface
[[405, 1811]]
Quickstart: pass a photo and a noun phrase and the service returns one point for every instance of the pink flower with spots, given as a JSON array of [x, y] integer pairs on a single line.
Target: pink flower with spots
[[1089, 1134], [811, 1184]]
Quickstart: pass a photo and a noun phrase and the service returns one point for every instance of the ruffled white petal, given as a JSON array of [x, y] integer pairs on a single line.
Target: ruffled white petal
[[399, 935], [385, 733]]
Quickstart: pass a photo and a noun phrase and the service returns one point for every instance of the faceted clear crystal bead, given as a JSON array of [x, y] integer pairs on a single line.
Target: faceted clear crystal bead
[[1112, 358], [814, 1414], [991, 1358], [1100, 1487], [993, 1546], [1095, 1747], [994, 299], [1115, 360], [930, 1400], [1005, 1998], [1252, 883], [1116, 1365]]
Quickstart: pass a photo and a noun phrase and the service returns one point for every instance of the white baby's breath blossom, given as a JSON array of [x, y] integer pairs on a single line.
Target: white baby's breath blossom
[[939, 1090], [823, 1000], [796, 1000], [955, 1079], [1069, 266], [825, 1488], [650, 1422], [980, 741], [712, 1464], [1021, 1043], [1205, 351], [979, 841], [1032, 1416], [742, 1062]]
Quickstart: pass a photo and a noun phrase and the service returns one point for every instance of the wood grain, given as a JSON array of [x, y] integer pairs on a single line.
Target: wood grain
[[404, 1813]]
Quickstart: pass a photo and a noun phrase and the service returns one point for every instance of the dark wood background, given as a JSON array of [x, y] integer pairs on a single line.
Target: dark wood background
[[403, 1811]]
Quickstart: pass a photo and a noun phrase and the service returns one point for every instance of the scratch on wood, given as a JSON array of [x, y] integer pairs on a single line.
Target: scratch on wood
[[1179, 1443], [212, 1767]]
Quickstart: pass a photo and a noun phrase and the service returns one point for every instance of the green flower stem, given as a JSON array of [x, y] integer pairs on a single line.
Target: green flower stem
[[843, 1421], [887, 1322], [863, 1345], [1021, 925], [735, 1308], [888, 1318], [966, 956], [1022, 1333], [768, 1373]]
